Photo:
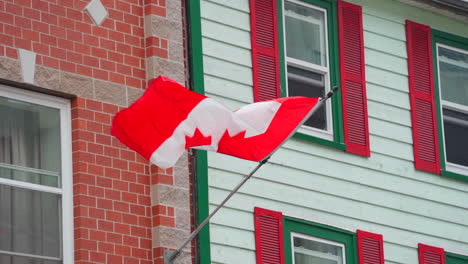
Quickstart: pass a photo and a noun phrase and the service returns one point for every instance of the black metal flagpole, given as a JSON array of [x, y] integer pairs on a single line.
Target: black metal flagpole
[[170, 255]]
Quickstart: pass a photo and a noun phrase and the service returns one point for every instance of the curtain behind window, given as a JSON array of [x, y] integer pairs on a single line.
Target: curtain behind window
[[29, 220]]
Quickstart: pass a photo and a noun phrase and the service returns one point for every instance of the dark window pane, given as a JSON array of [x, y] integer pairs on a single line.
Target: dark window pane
[[456, 139], [308, 84], [29, 221]]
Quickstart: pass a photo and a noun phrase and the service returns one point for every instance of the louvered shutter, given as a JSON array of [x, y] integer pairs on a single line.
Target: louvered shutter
[[421, 86], [370, 248], [353, 79], [269, 236], [265, 54], [431, 255]]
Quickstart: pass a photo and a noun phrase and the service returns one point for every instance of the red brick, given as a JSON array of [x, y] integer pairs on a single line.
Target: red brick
[[31, 13], [122, 250], [112, 173], [41, 27], [124, 69], [85, 244], [91, 61], [12, 31], [96, 213], [57, 9], [67, 66], [74, 36], [105, 225], [129, 176], [120, 164], [114, 238], [137, 167], [131, 241], [158, 52], [84, 178], [58, 31], [23, 44], [120, 185], [105, 247], [121, 207], [102, 139], [11, 53], [23, 22], [66, 23], [144, 199], [122, 228], [84, 200], [85, 222], [6, 18], [131, 19], [74, 14], [23, 2], [14, 9], [83, 27], [58, 53], [40, 5], [49, 18], [155, 10], [103, 75], [109, 24], [97, 257], [117, 78], [129, 197], [114, 259], [108, 65], [95, 169], [111, 109], [137, 209], [130, 219], [145, 243], [80, 167], [137, 10], [116, 15], [91, 40], [132, 40], [96, 191], [82, 49], [104, 203], [112, 194], [81, 233], [163, 43], [48, 39], [74, 57], [81, 255], [84, 70], [100, 32], [65, 3], [81, 211], [123, 27]]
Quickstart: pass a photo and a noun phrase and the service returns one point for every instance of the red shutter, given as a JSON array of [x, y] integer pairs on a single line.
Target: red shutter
[[430, 255], [269, 236], [353, 79], [421, 86], [265, 53], [370, 248]]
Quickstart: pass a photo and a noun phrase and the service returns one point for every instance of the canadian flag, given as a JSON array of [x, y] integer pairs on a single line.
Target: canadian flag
[[168, 119]]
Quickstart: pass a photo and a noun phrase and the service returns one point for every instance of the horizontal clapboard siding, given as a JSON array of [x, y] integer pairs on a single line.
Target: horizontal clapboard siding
[[382, 194]]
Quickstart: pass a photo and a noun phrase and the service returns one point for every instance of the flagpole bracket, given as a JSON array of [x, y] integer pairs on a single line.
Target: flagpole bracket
[[170, 255]]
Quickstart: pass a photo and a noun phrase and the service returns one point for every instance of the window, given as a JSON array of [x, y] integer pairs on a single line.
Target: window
[[309, 249], [35, 178], [452, 65], [308, 242], [307, 60]]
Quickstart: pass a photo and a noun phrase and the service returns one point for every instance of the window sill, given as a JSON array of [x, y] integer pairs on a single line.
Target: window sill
[[454, 175], [322, 141]]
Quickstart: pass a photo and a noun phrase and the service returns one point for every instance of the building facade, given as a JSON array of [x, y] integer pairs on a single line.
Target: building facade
[[381, 174], [69, 191]]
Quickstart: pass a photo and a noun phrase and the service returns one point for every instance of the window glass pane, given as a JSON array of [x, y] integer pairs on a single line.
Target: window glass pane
[[455, 135], [317, 252], [29, 222], [453, 71], [308, 84], [29, 138], [305, 33], [31, 177]]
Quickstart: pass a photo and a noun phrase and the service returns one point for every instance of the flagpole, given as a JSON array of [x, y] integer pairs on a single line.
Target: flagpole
[[170, 255]]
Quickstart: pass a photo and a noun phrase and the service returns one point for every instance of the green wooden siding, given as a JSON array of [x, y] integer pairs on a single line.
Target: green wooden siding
[[382, 194]]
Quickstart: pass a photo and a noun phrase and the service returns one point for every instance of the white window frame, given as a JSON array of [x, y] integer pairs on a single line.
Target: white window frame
[[314, 253], [66, 190], [452, 167], [328, 133]]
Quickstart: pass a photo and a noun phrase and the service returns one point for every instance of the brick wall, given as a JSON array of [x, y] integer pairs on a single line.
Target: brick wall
[[124, 211]]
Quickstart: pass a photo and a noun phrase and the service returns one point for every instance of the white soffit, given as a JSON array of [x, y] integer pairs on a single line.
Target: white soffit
[[97, 11], [28, 65]]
